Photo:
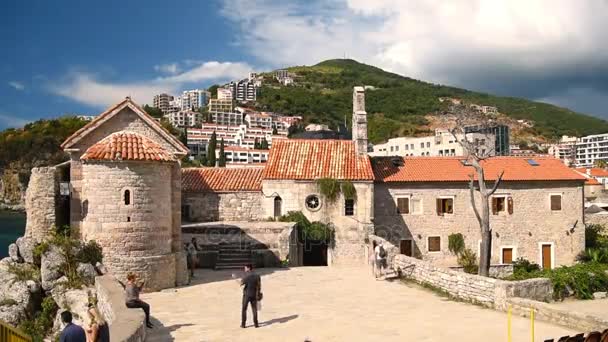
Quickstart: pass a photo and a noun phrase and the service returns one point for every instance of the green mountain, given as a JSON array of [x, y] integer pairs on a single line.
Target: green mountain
[[323, 94]]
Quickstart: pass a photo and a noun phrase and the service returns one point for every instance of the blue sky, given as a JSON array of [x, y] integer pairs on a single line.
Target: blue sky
[[69, 56]]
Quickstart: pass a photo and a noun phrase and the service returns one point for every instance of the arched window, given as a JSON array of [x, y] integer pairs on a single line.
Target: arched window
[[278, 203], [127, 197]]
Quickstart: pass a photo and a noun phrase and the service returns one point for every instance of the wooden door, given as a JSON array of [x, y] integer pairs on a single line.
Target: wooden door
[[507, 255], [405, 247], [546, 253]]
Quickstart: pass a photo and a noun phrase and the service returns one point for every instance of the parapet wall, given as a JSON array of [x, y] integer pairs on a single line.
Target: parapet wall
[[125, 324], [489, 292]]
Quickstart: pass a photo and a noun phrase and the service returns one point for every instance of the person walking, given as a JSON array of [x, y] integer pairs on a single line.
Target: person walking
[[372, 257], [71, 332], [132, 297], [252, 293]]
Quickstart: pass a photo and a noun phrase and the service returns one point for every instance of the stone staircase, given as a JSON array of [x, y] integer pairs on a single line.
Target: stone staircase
[[233, 255]]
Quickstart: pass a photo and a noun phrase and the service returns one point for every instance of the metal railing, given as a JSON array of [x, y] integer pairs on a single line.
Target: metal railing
[[10, 334]]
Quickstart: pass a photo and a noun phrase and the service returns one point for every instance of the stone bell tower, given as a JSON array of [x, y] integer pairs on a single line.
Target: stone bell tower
[[359, 120]]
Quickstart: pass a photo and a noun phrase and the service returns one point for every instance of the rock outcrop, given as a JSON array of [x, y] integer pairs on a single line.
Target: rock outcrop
[[50, 263], [17, 298], [26, 249]]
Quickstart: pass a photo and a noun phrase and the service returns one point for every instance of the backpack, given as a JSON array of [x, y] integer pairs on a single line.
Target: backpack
[[382, 252]]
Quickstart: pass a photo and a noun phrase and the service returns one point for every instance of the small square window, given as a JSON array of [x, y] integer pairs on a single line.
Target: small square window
[[434, 244], [349, 207], [498, 205], [556, 202], [403, 205], [445, 206]]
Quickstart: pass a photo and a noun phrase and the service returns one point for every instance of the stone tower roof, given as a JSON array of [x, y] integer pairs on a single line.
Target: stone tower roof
[[127, 146]]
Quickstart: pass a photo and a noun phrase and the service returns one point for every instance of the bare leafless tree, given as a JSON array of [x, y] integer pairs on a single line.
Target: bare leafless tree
[[479, 145]]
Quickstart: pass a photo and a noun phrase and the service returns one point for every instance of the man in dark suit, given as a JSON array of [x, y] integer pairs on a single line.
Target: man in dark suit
[[71, 332], [252, 292]]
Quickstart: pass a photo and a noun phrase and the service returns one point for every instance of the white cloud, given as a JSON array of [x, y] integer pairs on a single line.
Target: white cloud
[[11, 121], [89, 89], [171, 69], [17, 85], [470, 43]]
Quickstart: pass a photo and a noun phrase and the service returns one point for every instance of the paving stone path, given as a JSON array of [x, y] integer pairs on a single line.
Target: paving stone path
[[327, 304]]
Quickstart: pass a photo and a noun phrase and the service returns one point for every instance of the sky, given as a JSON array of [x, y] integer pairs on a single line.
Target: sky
[[79, 57]]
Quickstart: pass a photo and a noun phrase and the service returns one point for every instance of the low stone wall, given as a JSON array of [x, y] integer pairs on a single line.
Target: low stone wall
[[230, 206], [496, 271], [470, 287], [549, 313], [125, 324]]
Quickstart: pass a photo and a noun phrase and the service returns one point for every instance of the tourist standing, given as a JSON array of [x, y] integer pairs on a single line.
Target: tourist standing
[[380, 254], [98, 330], [193, 256], [71, 332], [252, 293], [372, 258], [132, 297]]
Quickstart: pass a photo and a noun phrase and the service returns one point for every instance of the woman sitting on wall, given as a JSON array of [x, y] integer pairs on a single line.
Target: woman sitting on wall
[[132, 297]]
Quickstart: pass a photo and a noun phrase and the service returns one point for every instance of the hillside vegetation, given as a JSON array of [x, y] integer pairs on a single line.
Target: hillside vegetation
[[397, 105]]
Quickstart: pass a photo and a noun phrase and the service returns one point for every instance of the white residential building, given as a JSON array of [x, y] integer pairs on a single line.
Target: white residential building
[[162, 102], [591, 148], [227, 118], [236, 155], [262, 120], [224, 94], [233, 135], [219, 105], [243, 90], [316, 127], [185, 118], [194, 99], [443, 143]]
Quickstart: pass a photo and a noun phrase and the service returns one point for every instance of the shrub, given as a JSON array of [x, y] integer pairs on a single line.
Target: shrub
[[582, 279], [349, 191], [456, 243], [468, 260], [90, 253], [24, 272], [329, 188], [39, 325], [314, 230], [595, 255]]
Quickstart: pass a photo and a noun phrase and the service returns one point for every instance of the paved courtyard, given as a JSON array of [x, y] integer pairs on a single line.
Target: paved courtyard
[[327, 304]]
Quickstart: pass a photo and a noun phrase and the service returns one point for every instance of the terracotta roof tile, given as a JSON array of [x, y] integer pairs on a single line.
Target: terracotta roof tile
[[594, 171], [451, 169], [592, 181], [314, 159], [219, 179], [127, 146]]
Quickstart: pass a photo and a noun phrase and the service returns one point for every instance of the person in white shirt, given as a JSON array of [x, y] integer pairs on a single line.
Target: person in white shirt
[[380, 257]]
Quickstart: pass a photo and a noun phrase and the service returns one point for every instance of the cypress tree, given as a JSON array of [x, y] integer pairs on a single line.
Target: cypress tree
[[211, 150], [222, 160], [264, 144]]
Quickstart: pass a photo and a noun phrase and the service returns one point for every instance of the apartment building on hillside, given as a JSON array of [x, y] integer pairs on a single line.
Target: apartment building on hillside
[[233, 135], [194, 99], [224, 94], [243, 90], [185, 118], [590, 149], [162, 102]]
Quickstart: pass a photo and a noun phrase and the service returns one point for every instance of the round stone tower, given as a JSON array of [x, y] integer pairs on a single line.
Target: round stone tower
[[127, 206]]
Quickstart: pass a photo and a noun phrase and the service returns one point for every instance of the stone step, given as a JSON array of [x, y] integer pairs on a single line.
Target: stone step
[[234, 257], [242, 262], [228, 267]]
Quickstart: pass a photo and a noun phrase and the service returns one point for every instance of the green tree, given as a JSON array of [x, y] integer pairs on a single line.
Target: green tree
[[211, 150], [183, 136], [264, 144], [256, 144], [213, 90], [153, 111], [600, 163], [275, 131], [222, 160]]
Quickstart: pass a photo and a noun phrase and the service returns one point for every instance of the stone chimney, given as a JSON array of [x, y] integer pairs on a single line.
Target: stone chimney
[[359, 120], [588, 171]]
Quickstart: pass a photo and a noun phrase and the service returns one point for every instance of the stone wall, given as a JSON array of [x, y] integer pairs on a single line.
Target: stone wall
[[125, 324], [351, 231], [550, 313], [470, 287], [226, 206], [135, 237], [496, 271], [532, 222], [41, 203]]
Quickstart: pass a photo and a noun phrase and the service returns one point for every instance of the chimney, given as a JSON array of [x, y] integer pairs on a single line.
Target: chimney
[[588, 171], [359, 129]]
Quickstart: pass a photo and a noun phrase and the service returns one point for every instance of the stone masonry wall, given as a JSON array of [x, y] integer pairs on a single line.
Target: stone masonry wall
[[125, 324], [41, 202], [228, 206], [131, 234], [486, 291], [351, 231], [532, 222]]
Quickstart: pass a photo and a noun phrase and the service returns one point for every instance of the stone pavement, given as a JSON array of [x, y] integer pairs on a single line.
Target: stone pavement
[[327, 304]]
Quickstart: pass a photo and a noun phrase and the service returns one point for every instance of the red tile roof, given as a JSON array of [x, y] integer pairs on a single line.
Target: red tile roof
[[451, 169], [314, 159], [219, 179], [127, 146], [594, 171], [592, 181]]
